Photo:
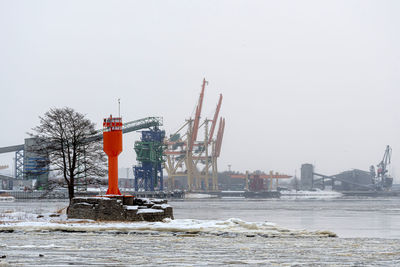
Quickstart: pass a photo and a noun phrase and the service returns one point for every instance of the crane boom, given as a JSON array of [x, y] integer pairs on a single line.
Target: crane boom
[[214, 121], [386, 157], [197, 116], [220, 135], [382, 166]]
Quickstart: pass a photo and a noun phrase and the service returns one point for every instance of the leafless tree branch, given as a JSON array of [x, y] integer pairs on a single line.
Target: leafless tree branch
[[61, 137]]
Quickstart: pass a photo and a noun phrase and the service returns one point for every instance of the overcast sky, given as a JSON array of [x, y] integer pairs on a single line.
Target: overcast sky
[[303, 81]]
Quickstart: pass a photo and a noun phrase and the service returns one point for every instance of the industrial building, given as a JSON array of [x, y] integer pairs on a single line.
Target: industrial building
[[352, 180]]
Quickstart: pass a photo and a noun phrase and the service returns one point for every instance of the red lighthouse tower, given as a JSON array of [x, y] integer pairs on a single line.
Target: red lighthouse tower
[[112, 146]]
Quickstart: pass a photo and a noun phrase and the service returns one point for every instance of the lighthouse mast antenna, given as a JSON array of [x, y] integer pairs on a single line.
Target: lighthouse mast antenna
[[119, 107]]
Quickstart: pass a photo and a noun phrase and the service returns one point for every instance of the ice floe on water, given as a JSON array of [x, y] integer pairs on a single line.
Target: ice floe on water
[[315, 194], [25, 222], [198, 196]]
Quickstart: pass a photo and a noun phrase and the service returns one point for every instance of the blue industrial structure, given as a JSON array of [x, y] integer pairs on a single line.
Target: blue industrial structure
[[36, 166], [150, 156], [19, 164]]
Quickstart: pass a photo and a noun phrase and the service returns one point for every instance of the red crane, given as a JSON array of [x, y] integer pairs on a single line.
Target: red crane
[[220, 135], [196, 123], [214, 121]]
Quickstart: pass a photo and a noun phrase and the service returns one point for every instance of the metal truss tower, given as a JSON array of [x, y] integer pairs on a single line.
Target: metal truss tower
[[19, 164], [150, 155]]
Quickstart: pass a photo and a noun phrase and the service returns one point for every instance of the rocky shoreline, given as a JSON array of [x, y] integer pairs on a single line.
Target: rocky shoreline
[[119, 208]]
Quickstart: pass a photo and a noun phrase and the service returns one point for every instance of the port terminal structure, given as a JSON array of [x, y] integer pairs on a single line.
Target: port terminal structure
[[186, 156], [355, 182], [182, 154], [28, 165]]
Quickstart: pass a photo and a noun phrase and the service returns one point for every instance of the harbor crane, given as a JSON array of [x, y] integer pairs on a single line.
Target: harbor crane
[[382, 180], [188, 157]]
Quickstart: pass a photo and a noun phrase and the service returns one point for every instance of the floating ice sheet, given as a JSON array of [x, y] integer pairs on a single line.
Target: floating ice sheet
[[49, 222]]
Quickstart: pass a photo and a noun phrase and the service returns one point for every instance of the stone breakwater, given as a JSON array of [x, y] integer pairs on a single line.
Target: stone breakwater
[[119, 208]]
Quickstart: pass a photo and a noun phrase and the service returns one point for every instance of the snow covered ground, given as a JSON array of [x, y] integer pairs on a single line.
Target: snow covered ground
[[29, 222]]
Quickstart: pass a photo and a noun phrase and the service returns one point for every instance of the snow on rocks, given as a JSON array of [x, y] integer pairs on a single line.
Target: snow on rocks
[[119, 208]]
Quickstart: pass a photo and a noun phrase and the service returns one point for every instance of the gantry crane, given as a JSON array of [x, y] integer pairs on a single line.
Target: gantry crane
[[382, 180], [216, 150], [186, 156]]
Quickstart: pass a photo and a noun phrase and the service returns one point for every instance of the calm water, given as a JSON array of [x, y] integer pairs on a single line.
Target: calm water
[[368, 229], [367, 217]]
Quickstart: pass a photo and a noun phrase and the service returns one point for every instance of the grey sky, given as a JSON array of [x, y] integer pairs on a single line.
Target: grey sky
[[303, 81]]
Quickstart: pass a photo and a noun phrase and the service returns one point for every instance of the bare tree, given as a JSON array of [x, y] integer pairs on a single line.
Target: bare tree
[[62, 138]]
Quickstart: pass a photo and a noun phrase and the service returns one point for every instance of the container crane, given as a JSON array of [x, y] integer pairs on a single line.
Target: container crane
[[196, 122], [382, 180], [186, 156], [214, 121]]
